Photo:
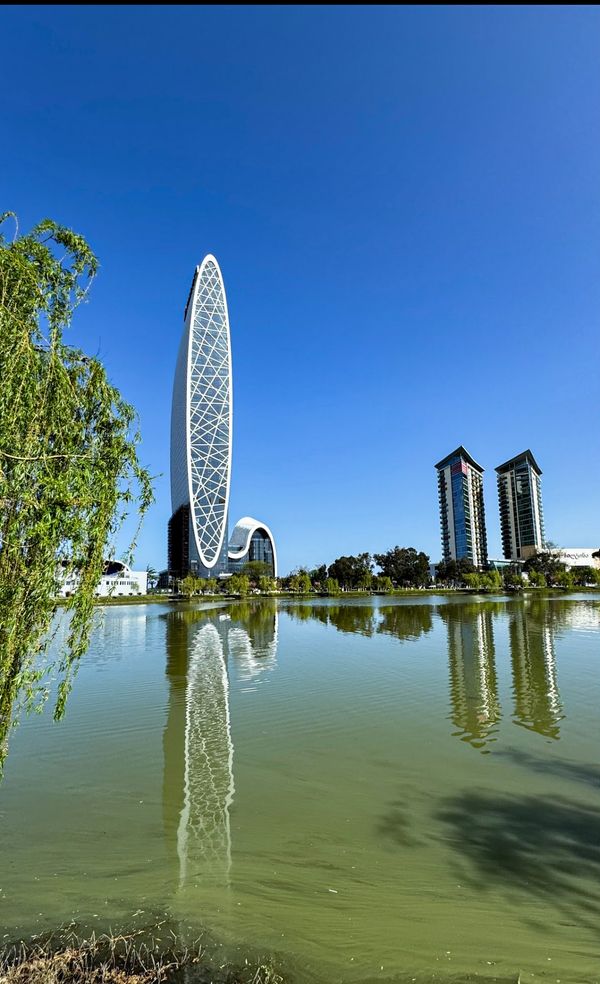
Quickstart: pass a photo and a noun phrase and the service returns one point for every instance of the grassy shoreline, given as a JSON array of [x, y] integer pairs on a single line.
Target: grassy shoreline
[[157, 955], [150, 956], [163, 599]]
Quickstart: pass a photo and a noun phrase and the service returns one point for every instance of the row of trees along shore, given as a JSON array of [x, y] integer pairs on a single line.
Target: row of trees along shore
[[399, 568]]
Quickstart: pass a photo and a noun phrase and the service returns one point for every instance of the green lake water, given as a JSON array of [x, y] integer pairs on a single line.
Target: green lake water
[[370, 789]]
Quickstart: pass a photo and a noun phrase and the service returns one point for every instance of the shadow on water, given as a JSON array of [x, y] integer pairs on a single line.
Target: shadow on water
[[529, 845], [586, 773], [396, 826], [540, 846]]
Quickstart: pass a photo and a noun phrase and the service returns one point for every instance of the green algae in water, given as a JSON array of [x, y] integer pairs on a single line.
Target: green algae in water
[[371, 789]]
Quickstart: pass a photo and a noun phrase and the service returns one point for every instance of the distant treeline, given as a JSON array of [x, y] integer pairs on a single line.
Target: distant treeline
[[405, 567], [398, 568]]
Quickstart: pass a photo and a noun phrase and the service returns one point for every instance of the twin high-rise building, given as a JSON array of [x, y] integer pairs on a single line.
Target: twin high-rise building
[[462, 514], [521, 514], [201, 443]]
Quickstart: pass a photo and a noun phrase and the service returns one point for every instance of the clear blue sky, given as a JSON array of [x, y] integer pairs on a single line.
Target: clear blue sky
[[405, 206]]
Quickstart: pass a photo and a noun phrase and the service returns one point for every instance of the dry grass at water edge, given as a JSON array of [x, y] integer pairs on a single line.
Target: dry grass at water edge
[[119, 959]]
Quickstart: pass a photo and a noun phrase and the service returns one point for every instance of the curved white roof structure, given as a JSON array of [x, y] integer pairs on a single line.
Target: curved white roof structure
[[239, 542], [201, 416]]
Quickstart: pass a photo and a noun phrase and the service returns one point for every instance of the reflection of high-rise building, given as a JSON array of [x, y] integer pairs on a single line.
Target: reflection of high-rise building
[[204, 834], [201, 433], [198, 781], [462, 513], [538, 705], [198, 778], [520, 500], [473, 683]]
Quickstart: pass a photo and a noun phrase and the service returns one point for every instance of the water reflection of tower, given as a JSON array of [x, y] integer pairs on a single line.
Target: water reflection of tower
[[198, 782], [252, 640], [473, 684], [198, 751], [538, 705]]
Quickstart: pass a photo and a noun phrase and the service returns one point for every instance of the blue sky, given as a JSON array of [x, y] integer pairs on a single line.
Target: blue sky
[[405, 206]]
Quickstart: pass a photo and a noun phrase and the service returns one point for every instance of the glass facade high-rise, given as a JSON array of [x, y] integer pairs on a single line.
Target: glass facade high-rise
[[462, 512], [520, 501], [201, 432]]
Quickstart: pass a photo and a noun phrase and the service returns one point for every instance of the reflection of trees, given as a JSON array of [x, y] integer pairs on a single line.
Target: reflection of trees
[[259, 619], [542, 846], [405, 621], [252, 638], [352, 618], [400, 621], [473, 683], [537, 699], [344, 617], [303, 613], [564, 613]]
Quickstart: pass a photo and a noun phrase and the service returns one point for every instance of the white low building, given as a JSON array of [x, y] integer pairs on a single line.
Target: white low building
[[578, 556], [117, 581]]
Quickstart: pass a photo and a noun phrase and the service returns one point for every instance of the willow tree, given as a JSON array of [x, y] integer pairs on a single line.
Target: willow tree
[[69, 468]]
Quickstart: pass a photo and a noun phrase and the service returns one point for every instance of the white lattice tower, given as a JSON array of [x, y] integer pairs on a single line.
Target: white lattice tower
[[209, 418], [201, 420]]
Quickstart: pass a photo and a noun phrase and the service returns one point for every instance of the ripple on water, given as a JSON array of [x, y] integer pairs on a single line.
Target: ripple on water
[[313, 783]]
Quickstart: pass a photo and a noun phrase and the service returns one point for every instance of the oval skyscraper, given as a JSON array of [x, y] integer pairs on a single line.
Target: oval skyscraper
[[201, 432], [201, 420]]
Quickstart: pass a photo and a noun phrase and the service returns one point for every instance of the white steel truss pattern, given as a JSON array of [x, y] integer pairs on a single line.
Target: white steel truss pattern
[[209, 411]]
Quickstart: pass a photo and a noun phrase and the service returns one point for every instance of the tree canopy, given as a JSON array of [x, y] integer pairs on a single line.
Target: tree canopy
[[255, 570], [352, 572], [406, 567], [584, 576], [453, 571], [299, 582], [69, 468], [238, 584], [318, 576], [547, 564]]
